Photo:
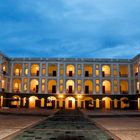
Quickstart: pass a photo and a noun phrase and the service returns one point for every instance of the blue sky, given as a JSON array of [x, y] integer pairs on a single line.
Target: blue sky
[[70, 28]]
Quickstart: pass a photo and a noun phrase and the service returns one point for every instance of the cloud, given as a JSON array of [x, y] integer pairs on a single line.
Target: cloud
[[75, 28]]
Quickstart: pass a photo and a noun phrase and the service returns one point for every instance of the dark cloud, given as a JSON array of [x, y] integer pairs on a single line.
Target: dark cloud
[[87, 28]]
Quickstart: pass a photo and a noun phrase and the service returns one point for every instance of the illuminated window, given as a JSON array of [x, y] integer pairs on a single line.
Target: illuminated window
[[97, 89], [26, 71], [43, 81], [43, 88], [79, 82], [61, 81], [79, 72], [97, 81], [97, 72], [43, 71]]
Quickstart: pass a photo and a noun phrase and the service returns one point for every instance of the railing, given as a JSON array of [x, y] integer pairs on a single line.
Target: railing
[[124, 92], [16, 90], [17, 74], [34, 74], [123, 75], [88, 92], [52, 75], [50, 91], [107, 92], [88, 75]]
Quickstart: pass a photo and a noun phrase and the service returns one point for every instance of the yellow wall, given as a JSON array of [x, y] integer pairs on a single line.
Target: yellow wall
[[106, 69]]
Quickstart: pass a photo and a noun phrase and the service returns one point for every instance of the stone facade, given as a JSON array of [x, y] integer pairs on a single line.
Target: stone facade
[[70, 83]]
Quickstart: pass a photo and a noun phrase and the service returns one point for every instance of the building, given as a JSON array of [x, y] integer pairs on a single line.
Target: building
[[70, 83]]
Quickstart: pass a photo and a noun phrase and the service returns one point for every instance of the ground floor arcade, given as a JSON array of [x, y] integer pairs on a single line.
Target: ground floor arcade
[[69, 101]]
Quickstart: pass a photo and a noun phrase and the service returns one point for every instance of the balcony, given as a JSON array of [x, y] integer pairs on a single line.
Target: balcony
[[16, 90], [54, 74], [88, 92], [105, 75], [123, 75], [51, 91], [124, 92], [17, 74], [35, 74]]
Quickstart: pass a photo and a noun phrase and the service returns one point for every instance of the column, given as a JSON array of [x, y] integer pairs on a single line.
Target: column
[[28, 83], [64, 78], [118, 78], [112, 79], [129, 80], [58, 76], [11, 77], [82, 84], [76, 75], [100, 78]]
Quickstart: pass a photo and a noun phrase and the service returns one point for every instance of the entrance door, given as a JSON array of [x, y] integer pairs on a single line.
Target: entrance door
[[70, 89], [87, 104], [53, 103], [54, 89], [103, 89], [70, 73], [54, 73], [70, 104], [86, 74], [86, 89], [37, 88]]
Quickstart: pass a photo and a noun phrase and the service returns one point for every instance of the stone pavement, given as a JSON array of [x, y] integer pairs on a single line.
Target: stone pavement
[[121, 123], [14, 120], [65, 125]]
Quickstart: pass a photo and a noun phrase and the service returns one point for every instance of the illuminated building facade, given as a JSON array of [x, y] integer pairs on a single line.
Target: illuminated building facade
[[70, 83]]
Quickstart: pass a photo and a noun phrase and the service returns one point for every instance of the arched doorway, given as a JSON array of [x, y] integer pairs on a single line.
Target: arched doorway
[[89, 103], [35, 70], [51, 102], [105, 70], [15, 101], [70, 70], [17, 69], [70, 103], [88, 87], [34, 86], [52, 86], [70, 86], [106, 103], [32, 101], [16, 85], [124, 87], [106, 87]]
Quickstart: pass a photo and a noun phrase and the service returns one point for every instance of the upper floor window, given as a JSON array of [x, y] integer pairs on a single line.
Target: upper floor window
[[70, 70], [123, 71], [35, 70], [88, 70], [52, 70], [105, 70], [17, 69]]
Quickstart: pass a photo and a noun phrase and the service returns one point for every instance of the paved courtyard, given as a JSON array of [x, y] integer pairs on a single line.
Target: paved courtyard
[[35, 124], [123, 124]]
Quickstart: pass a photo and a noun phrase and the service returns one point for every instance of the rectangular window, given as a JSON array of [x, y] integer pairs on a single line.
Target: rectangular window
[[43, 71], [97, 72], [97, 89], [26, 71]]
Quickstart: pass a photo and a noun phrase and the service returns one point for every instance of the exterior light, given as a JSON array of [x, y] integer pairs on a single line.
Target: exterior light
[[79, 96], [60, 96]]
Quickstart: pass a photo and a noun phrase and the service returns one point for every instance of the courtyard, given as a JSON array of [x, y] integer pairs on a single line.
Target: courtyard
[[31, 124]]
